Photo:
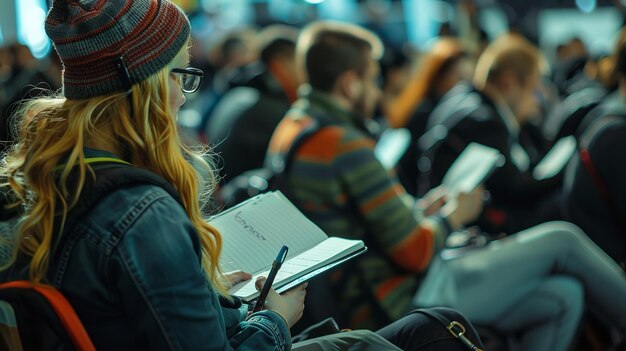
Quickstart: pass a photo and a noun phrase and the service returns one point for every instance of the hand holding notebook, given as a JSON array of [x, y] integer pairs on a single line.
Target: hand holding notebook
[[255, 230], [473, 166]]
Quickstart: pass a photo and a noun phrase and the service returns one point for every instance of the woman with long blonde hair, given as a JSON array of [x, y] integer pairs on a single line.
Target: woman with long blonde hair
[[141, 266]]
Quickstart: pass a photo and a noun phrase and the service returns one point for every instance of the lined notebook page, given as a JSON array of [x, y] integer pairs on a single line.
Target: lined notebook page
[[254, 232], [322, 254]]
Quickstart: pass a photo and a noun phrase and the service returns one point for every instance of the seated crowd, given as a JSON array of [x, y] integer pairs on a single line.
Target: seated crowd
[[542, 256]]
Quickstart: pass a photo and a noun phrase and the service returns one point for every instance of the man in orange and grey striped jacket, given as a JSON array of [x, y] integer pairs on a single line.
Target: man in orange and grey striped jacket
[[338, 183]]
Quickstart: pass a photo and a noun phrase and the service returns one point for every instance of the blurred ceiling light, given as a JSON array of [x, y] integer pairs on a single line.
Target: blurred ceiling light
[[420, 21], [31, 18], [314, 2], [586, 6], [442, 11]]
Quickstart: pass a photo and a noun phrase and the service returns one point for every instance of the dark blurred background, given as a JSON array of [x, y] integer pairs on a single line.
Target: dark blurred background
[[225, 33]]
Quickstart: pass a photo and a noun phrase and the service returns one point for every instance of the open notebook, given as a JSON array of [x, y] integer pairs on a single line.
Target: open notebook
[[254, 231], [473, 166]]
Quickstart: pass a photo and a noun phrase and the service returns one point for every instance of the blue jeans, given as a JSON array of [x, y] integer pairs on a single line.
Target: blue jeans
[[534, 283]]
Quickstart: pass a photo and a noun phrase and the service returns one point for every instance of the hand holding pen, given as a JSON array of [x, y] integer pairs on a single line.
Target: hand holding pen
[[289, 305], [267, 285]]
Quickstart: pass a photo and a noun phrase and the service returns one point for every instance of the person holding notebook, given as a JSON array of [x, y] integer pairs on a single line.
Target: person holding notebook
[[493, 110], [108, 201], [531, 283]]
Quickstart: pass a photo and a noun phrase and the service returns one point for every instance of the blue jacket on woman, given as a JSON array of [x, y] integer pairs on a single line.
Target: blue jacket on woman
[[131, 270]]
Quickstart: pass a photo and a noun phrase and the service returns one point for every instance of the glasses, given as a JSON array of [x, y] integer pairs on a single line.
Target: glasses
[[189, 78]]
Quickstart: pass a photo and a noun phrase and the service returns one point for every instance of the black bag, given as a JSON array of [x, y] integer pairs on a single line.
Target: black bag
[[454, 327]]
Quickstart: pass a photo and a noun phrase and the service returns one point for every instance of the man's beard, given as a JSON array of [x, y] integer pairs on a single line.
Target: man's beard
[[361, 107]]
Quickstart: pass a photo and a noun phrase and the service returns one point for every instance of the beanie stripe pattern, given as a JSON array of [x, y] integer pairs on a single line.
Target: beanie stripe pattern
[[90, 35]]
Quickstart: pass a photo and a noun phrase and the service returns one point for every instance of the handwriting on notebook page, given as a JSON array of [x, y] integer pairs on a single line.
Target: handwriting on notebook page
[[254, 232]]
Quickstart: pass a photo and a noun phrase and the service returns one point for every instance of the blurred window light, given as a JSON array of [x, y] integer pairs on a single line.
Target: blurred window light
[[586, 6], [288, 11], [595, 29], [420, 21], [340, 10], [280, 9], [494, 21], [442, 11], [31, 16], [232, 13], [212, 5]]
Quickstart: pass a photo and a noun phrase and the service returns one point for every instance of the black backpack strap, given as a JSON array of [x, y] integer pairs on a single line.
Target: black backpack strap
[[281, 163]]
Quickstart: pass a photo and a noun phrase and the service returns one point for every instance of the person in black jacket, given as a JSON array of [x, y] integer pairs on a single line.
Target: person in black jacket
[[445, 65], [594, 188], [243, 121], [491, 112]]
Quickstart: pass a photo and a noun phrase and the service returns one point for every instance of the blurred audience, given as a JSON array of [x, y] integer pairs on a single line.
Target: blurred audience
[[242, 123], [492, 111], [395, 71], [235, 51], [441, 68], [608, 73], [23, 76], [250, 110], [595, 192], [336, 180]]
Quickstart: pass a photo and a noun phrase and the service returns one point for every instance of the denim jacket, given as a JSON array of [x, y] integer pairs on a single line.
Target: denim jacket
[[131, 270]]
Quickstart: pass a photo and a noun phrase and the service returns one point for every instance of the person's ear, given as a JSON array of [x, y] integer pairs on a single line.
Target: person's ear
[[508, 81], [350, 85]]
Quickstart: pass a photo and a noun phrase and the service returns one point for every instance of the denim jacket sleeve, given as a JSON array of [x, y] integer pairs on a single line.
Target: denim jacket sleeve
[[156, 269]]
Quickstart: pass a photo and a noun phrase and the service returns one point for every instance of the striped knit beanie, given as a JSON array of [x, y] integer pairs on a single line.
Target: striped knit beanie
[[108, 45]]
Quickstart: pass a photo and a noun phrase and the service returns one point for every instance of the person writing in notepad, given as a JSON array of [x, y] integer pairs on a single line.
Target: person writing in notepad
[[107, 200], [140, 266], [530, 284]]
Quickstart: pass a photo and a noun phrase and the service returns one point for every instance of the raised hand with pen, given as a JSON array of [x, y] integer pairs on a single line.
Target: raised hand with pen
[[290, 305]]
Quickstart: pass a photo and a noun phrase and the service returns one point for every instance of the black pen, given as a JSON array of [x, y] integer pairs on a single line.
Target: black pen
[[282, 254]]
